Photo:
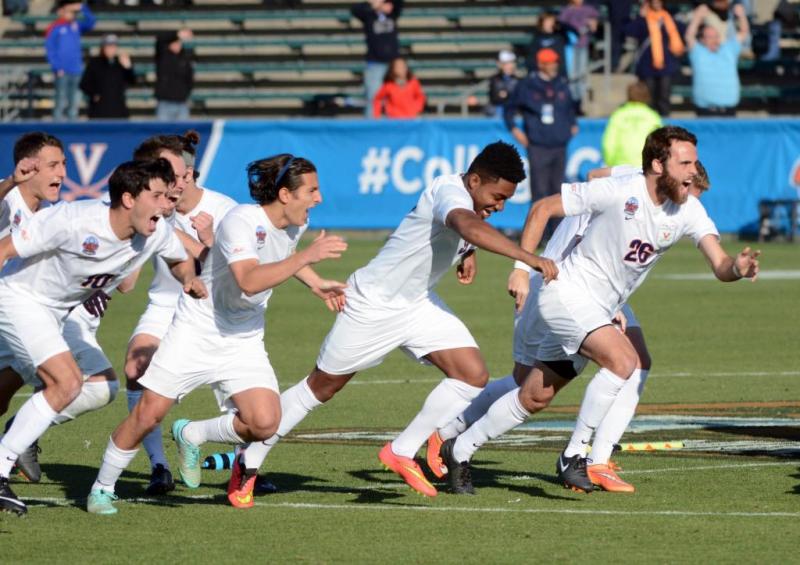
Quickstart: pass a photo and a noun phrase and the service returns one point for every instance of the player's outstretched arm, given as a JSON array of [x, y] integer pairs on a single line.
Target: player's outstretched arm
[[253, 278], [331, 292], [727, 268], [193, 247], [474, 230], [7, 250], [129, 282], [184, 272], [538, 216]]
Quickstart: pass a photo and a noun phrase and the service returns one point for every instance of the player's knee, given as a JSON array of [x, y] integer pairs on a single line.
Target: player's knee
[[324, 387], [133, 370], [263, 426], [69, 387], [535, 400], [624, 364]]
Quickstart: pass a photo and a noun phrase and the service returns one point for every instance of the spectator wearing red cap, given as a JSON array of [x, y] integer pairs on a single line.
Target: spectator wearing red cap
[[548, 116]]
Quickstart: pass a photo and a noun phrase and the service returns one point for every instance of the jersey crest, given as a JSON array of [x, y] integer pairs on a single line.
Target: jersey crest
[[90, 245], [631, 207], [17, 218], [261, 236], [666, 235]]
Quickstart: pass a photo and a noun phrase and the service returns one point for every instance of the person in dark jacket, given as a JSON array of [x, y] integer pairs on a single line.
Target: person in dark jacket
[[548, 115], [379, 18], [174, 75], [105, 79], [63, 47], [502, 84], [549, 34]]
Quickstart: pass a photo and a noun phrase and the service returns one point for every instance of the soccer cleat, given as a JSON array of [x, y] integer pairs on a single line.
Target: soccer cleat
[[605, 478], [101, 502], [408, 469], [189, 456], [613, 465], [459, 473], [571, 472], [161, 481], [9, 501], [28, 461], [434, 457], [241, 484], [264, 486]]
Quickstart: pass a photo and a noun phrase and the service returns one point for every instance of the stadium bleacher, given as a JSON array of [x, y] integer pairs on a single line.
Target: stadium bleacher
[[254, 60]]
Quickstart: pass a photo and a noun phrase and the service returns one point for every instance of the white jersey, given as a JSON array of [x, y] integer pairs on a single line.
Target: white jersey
[[14, 212], [627, 235], [69, 251], [246, 232], [422, 248], [164, 289]]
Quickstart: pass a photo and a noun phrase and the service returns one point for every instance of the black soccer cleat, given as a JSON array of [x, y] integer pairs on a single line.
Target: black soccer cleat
[[161, 481], [9, 501], [263, 486], [28, 461], [459, 474], [572, 473]]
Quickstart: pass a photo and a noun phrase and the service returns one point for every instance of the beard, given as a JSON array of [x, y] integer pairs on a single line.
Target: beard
[[669, 187]]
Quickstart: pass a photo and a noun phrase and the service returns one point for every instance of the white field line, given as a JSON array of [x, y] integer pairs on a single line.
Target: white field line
[[64, 502]]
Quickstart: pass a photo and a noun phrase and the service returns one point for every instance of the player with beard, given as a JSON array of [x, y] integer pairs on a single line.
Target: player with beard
[[635, 220]]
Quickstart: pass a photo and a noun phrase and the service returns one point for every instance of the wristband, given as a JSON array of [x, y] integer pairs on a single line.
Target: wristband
[[735, 270], [521, 265]]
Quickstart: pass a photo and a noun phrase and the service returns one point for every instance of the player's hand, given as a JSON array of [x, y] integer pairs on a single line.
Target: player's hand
[[325, 247], [467, 268], [620, 321], [97, 303], [520, 136], [26, 169], [545, 266], [519, 285], [332, 293], [203, 224], [195, 288], [746, 264]]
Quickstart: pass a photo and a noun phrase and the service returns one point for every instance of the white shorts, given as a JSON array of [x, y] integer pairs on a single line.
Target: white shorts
[[80, 333], [154, 321], [570, 316], [30, 333], [364, 333], [189, 357]]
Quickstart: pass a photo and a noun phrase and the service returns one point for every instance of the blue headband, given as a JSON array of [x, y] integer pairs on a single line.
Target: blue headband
[[282, 172]]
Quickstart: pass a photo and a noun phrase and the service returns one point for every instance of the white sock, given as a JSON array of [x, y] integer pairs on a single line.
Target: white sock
[[93, 396], [296, 403], [31, 421], [478, 407], [505, 414], [598, 398], [153, 442], [445, 402], [218, 429], [115, 460], [619, 416]]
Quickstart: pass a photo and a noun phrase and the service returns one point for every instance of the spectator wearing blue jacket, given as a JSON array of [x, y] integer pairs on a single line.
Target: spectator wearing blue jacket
[[63, 47], [548, 114]]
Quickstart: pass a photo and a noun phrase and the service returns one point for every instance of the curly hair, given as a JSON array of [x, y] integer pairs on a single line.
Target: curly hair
[[266, 177], [499, 160]]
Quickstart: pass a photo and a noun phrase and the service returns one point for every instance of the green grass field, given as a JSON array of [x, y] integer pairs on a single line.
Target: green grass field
[[720, 351]]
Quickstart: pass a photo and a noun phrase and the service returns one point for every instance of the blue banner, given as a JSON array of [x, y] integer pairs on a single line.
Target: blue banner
[[94, 149], [371, 172]]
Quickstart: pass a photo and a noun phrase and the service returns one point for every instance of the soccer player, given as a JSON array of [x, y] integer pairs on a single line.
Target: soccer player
[[198, 213], [391, 303], [69, 251], [253, 252], [635, 220]]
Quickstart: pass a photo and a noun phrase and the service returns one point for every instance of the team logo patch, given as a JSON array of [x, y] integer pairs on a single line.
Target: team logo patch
[[261, 236], [17, 218], [666, 235], [631, 207], [90, 245]]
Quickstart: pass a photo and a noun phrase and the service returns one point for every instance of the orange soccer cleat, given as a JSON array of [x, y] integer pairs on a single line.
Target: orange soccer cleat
[[408, 469], [433, 456], [604, 477], [240, 486]]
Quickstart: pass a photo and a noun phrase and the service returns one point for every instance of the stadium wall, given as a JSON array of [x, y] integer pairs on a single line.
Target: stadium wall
[[371, 171]]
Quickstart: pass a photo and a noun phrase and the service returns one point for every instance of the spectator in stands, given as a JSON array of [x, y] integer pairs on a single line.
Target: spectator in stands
[[548, 114], [401, 94], [379, 18], [628, 127], [582, 18], [786, 17], [11, 7], [660, 49], [502, 84], [174, 75], [619, 16], [715, 63], [63, 47], [547, 35], [105, 79]]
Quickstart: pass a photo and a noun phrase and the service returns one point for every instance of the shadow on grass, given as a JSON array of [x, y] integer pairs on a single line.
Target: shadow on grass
[[796, 488]]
